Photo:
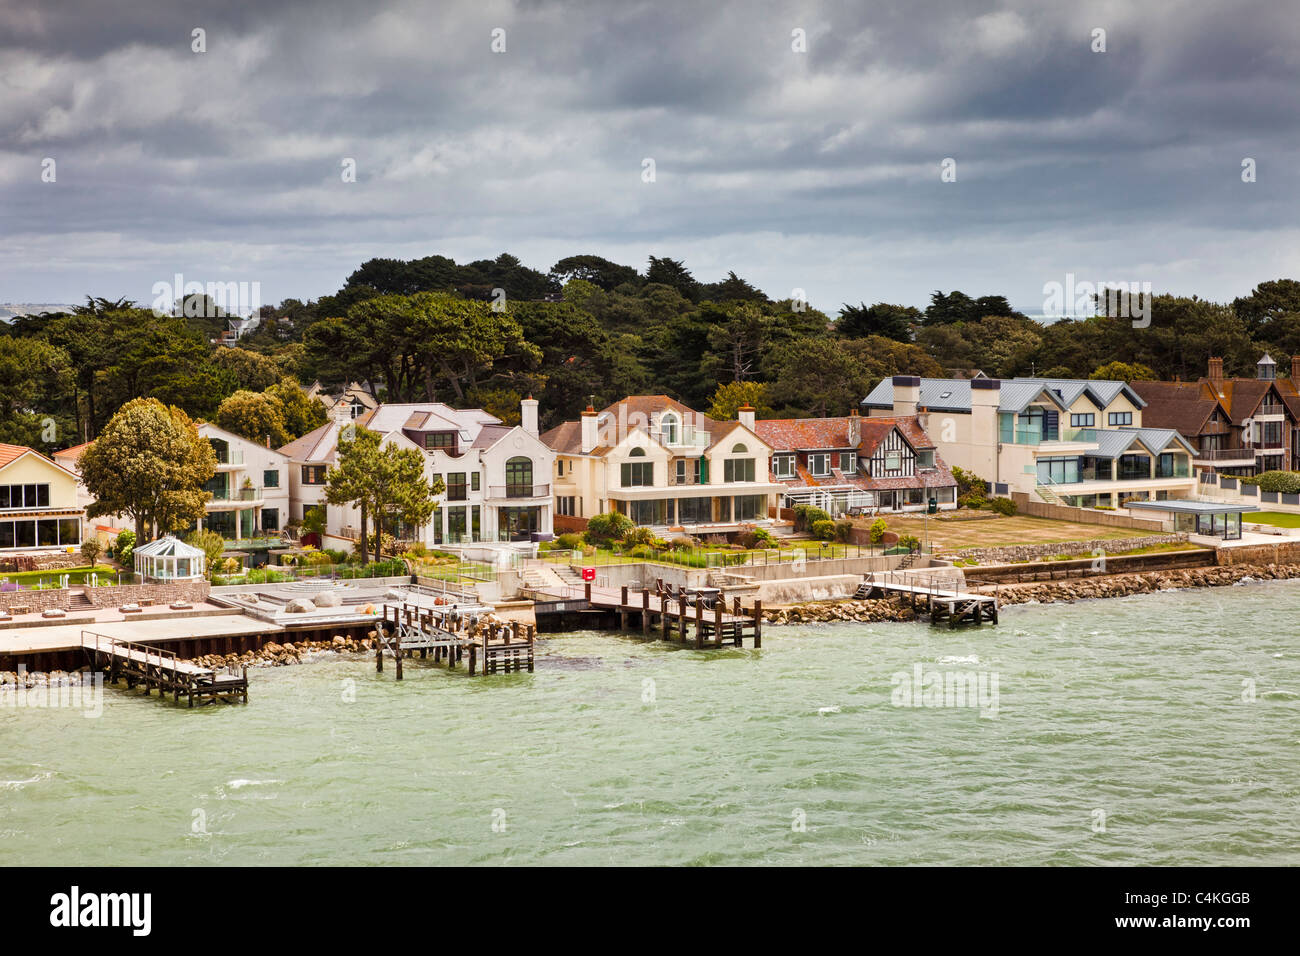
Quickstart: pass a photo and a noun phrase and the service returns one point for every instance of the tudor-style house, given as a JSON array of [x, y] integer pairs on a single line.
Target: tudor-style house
[[1238, 426], [497, 476], [354, 397], [39, 506], [855, 463], [663, 465], [1071, 441]]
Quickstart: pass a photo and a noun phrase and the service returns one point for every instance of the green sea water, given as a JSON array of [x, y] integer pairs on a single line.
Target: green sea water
[[1157, 729]]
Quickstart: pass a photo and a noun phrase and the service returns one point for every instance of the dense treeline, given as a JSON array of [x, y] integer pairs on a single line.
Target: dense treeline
[[489, 332]]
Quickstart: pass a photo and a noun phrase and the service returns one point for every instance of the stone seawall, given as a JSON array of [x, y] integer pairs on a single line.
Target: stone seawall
[[195, 592], [1121, 585], [1033, 552]]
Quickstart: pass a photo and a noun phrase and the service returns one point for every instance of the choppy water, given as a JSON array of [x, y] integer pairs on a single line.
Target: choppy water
[[622, 752]]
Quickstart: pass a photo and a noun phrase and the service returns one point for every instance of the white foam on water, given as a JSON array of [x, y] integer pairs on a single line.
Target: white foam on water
[[236, 784], [19, 784], [823, 711], [972, 659]]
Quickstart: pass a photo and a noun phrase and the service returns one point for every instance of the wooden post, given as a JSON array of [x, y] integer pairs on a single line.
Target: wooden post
[[379, 651], [645, 610], [663, 615], [718, 607], [398, 655], [586, 587], [699, 621], [758, 623]]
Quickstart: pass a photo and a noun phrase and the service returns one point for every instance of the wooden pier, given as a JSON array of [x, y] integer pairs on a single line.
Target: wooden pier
[[451, 633], [928, 596], [150, 668], [666, 613]]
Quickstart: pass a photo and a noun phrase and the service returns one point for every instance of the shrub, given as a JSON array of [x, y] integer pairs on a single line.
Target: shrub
[[124, 547], [824, 530], [844, 530], [211, 544], [969, 483], [756, 538], [1003, 506], [877, 530], [805, 516], [638, 537], [568, 541], [1286, 482], [910, 542], [604, 528], [973, 502], [642, 551], [683, 542], [90, 549]]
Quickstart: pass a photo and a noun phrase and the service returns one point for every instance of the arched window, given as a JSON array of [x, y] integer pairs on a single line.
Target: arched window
[[668, 427], [739, 448], [519, 477], [636, 453]]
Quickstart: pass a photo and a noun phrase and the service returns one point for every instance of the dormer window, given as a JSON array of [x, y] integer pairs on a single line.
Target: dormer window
[[670, 428]]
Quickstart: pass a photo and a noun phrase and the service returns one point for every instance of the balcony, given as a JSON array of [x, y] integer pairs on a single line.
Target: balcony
[[688, 480], [1032, 436], [230, 460], [226, 500], [1269, 447], [1244, 456], [519, 491], [1270, 410]]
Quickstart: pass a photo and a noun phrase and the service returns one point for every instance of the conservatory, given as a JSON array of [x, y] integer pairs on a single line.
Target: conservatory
[[169, 559]]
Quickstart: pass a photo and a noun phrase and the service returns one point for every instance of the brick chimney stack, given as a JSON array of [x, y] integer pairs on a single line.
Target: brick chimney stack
[[589, 431], [1295, 368], [855, 428], [1216, 369]]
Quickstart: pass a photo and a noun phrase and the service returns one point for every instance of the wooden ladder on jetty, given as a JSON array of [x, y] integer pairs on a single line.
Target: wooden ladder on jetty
[[451, 633], [149, 667]]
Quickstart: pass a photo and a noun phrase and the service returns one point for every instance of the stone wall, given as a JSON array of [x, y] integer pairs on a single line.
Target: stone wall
[[1284, 552], [1035, 552], [163, 594]]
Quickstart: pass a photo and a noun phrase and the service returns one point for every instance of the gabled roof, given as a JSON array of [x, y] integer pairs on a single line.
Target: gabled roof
[[566, 438], [11, 453], [1185, 407], [1014, 394], [317, 445], [1113, 442]]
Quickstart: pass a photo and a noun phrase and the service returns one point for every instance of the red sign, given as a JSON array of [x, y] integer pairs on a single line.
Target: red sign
[[588, 574]]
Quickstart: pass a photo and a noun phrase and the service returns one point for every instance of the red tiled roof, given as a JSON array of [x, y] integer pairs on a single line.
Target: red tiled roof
[[832, 434], [11, 453]]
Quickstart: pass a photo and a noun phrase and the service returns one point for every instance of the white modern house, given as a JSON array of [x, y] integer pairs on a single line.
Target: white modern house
[[249, 503], [497, 476]]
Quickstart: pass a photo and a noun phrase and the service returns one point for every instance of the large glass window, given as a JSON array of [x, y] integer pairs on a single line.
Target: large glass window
[[313, 474], [25, 496], [1083, 420], [271, 478], [637, 474], [738, 469], [457, 488], [654, 511], [783, 466], [440, 440], [519, 477], [456, 525], [1056, 471], [1134, 467], [750, 507], [669, 428], [1119, 418], [694, 510], [271, 520]]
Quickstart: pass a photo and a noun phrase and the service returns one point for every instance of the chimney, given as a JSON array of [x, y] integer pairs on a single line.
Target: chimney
[[1295, 369], [268, 439], [588, 430], [745, 414], [528, 415], [982, 453], [341, 412], [1216, 369], [855, 428], [907, 392]]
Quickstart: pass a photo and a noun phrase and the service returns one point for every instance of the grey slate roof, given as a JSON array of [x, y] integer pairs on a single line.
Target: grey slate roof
[[1015, 394], [1113, 442]]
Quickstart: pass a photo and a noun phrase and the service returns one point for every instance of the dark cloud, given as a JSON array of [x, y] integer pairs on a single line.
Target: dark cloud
[[817, 170]]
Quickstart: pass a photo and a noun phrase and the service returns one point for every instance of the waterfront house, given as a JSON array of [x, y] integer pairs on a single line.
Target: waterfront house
[[497, 476], [1238, 426], [855, 463], [248, 502], [39, 504], [663, 465], [1072, 441]]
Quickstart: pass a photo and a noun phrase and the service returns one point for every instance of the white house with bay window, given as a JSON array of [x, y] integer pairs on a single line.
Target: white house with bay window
[[497, 476], [248, 502]]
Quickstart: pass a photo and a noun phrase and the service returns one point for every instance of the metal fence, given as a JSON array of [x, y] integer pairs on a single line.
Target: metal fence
[[705, 558]]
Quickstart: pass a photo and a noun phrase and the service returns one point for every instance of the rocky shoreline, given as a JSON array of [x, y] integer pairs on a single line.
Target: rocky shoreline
[[1041, 592]]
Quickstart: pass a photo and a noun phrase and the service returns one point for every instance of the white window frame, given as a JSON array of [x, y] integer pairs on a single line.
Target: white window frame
[[814, 459], [783, 466]]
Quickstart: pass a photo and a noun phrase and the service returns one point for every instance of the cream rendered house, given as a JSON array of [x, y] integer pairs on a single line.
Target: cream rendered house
[[663, 465], [248, 502], [40, 509], [1077, 442]]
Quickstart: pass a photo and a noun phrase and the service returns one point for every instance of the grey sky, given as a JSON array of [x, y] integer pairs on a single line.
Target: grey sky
[[816, 170]]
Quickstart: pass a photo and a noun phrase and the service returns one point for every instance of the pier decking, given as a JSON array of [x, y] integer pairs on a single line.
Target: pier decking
[[451, 631], [663, 611], [949, 603], [149, 667]]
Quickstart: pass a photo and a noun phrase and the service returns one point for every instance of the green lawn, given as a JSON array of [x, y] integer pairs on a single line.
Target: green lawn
[[1280, 519], [75, 575]]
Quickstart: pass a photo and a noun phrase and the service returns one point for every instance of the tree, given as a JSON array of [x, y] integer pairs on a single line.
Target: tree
[[257, 416], [211, 544], [1123, 372], [594, 269], [883, 319], [383, 480], [816, 377], [91, 550], [250, 370], [149, 463], [674, 274], [301, 414], [730, 396]]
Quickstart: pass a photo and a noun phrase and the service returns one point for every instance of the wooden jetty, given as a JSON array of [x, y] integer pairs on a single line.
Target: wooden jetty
[[451, 632], [149, 667], [928, 596], [663, 611]]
